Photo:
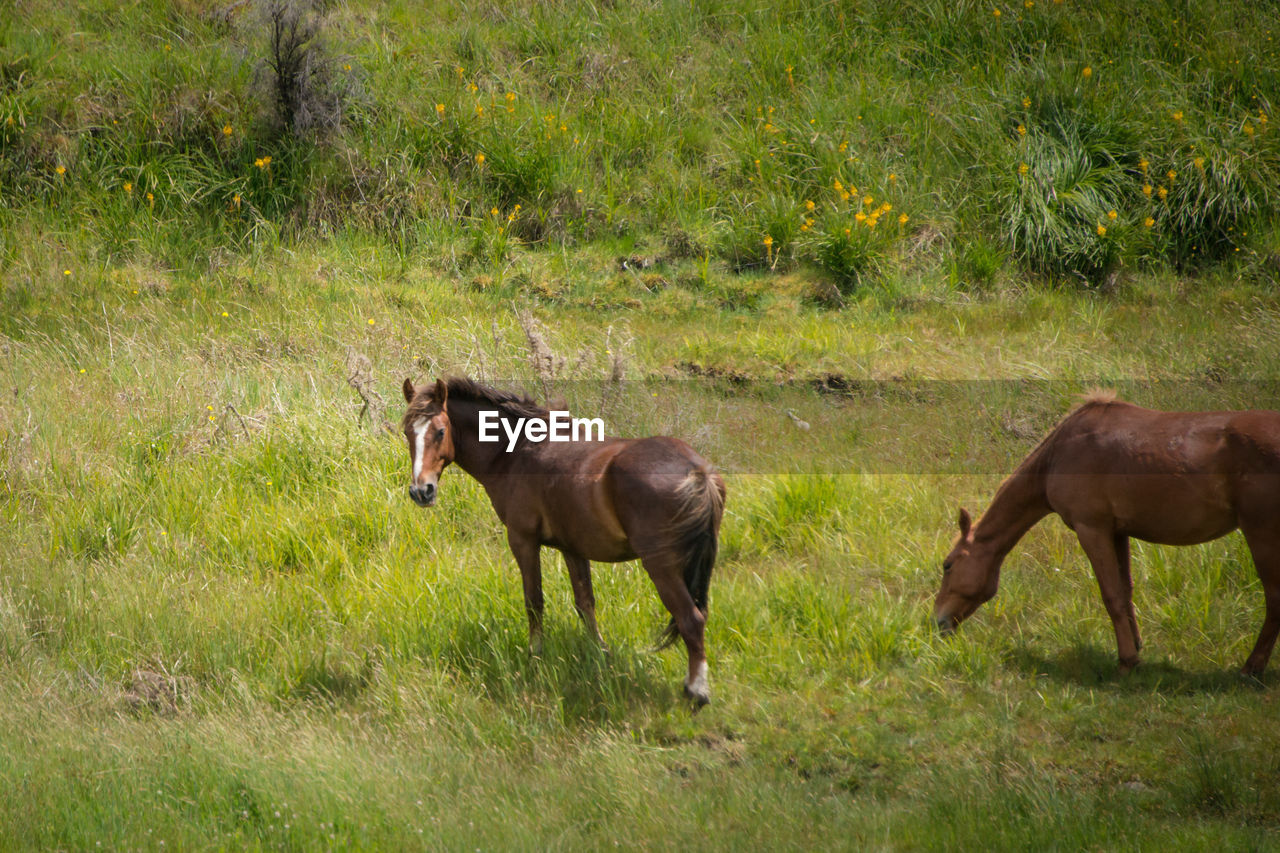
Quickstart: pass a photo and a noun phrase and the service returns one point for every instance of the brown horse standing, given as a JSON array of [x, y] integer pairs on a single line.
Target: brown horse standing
[[1112, 471], [609, 500]]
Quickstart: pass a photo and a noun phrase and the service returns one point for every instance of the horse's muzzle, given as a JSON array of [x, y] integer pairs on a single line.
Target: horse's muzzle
[[423, 495]]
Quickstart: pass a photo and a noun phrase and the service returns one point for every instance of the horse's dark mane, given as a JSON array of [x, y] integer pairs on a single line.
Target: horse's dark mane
[[464, 390], [469, 391]]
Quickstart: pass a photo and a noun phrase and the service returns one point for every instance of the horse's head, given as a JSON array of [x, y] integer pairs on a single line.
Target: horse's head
[[970, 575], [430, 437]]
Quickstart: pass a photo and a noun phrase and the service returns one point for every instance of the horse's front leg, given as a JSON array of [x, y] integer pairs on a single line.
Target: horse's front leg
[[526, 550], [1117, 595]]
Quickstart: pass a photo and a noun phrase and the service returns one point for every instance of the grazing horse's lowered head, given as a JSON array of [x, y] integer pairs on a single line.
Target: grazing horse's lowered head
[[427, 429], [970, 576]]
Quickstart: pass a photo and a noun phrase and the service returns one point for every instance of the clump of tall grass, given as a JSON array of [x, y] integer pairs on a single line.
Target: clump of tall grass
[[1083, 192]]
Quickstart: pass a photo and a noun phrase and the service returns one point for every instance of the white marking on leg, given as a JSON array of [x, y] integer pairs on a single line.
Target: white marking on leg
[[419, 442], [698, 687]]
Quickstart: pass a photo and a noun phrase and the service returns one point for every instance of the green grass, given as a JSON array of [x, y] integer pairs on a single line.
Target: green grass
[[224, 625], [332, 653]]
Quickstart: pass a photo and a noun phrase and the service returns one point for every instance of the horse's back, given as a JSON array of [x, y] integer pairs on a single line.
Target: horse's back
[[1171, 477]]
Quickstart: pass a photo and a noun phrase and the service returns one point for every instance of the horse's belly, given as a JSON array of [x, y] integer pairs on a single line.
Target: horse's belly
[[1176, 513], [586, 534]]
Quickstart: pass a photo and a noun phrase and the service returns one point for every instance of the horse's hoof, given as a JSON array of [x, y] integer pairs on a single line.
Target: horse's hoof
[[1127, 666], [698, 700], [1253, 673]]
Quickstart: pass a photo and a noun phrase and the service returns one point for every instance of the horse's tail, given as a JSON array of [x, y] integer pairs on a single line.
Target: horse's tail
[[701, 505]]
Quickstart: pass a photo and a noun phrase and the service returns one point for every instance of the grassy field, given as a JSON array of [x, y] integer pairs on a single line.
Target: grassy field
[[223, 624]]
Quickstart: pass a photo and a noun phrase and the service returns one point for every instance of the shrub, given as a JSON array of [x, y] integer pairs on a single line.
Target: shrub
[[306, 95]]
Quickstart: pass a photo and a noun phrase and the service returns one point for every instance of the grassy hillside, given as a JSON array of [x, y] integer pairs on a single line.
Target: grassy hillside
[[222, 622], [1077, 139]]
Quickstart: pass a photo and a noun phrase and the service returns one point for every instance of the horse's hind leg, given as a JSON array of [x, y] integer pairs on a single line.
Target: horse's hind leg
[[1264, 545], [1126, 584], [1117, 596], [667, 572], [584, 599]]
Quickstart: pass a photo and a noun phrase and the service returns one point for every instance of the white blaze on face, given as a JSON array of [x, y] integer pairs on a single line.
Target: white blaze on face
[[420, 427]]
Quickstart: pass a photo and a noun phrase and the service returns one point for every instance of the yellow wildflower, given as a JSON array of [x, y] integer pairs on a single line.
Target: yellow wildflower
[[1171, 175], [1163, 192], [479, 159], [1177, 115], [809, 205], [902, 220], [1148, 222], [1102, 230], [128, 187], [440, 110], [867, 200], [226, 130], [1111, 214], [1146, 190], [1199, 161], [1248, 129], [1026, 103], [61, 170], [1142, 164], [1023, 168], [995, 13], [1086, 72], [1022, 130]]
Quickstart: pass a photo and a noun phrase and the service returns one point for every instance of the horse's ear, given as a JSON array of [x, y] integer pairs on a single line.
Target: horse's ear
[[966, 523], [440, 393], [408, 390]]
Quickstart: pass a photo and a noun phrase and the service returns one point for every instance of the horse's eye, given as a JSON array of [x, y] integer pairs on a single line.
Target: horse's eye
[[946, 567], [440, 434]]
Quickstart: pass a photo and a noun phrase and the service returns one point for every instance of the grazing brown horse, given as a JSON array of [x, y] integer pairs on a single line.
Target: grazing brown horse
[[1112, 471], [610, 499]]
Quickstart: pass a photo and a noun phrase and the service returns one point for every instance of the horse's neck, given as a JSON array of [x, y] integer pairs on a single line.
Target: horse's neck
[[1019, 503], [477, 458]]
